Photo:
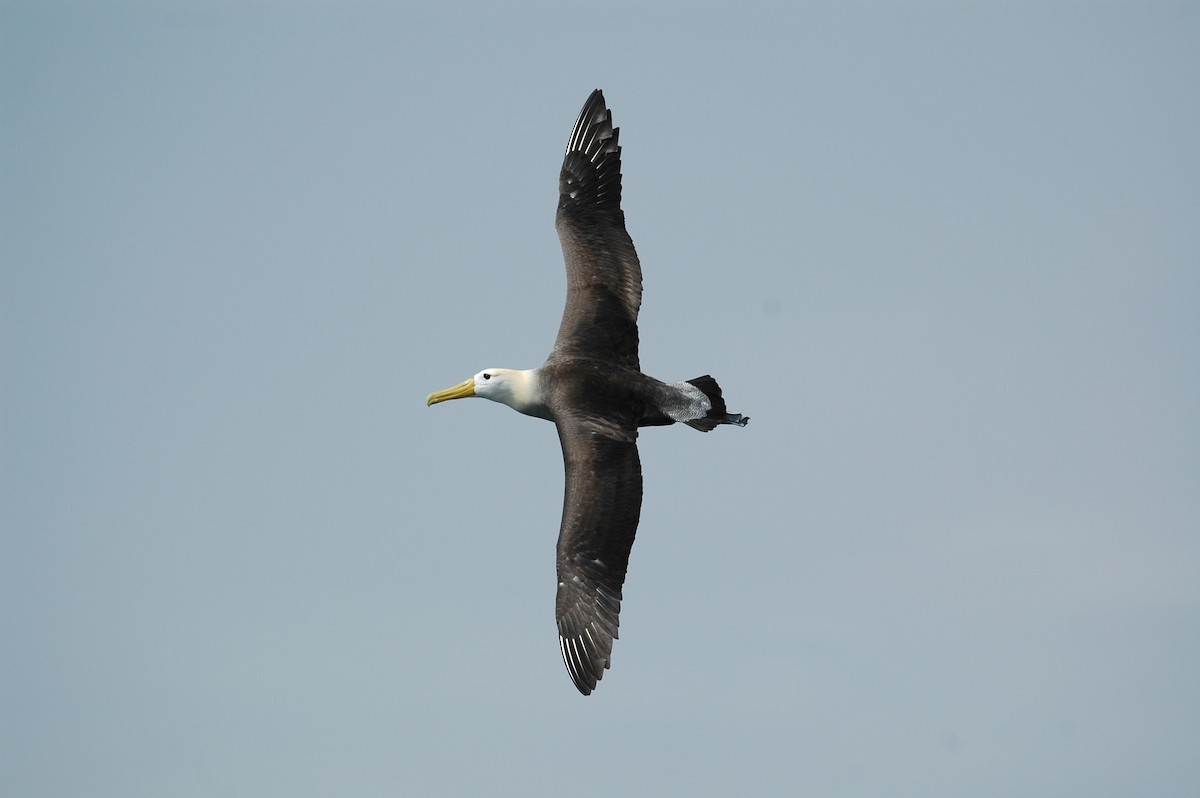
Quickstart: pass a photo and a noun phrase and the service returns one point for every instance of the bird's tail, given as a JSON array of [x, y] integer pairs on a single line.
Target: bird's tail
[[717, 414]]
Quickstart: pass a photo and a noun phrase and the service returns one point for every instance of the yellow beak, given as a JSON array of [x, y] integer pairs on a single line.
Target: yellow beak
[[462, 390]]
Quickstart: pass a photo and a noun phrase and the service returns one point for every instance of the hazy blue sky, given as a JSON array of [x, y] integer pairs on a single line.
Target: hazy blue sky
[[947, 256]]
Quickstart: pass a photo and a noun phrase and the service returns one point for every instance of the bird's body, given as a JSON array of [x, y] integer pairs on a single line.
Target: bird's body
[[592, 388]]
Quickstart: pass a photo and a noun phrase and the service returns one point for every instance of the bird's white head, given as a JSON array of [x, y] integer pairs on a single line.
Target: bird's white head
[[517, 389]]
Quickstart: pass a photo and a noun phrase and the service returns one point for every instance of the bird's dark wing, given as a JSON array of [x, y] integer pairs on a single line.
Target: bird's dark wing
[[604, 278], [601, 505]]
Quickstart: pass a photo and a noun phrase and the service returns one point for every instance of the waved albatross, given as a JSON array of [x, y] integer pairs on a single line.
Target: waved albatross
[[593, 389]]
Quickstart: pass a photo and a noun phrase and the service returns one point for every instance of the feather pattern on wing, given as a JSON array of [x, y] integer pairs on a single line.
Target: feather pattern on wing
[[601, 505], [604, 278]]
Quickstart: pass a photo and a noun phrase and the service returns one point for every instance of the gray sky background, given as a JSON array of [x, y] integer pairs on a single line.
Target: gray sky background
[[947, 256]]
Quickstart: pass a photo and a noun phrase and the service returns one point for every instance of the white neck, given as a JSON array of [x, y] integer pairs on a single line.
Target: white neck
[[522, 392]]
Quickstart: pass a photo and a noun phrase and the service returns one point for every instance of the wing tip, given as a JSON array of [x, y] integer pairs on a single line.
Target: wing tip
[[593, 133], [587, 646], [591, 171], [585, 668]]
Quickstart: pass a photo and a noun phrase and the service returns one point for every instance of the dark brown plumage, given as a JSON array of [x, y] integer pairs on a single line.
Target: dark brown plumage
[[592, 388]]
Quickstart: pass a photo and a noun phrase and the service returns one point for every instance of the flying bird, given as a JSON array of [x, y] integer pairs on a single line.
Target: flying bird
[[592, 388]]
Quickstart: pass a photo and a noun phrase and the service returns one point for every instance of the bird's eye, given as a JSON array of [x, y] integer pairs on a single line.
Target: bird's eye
[[487, 376]]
